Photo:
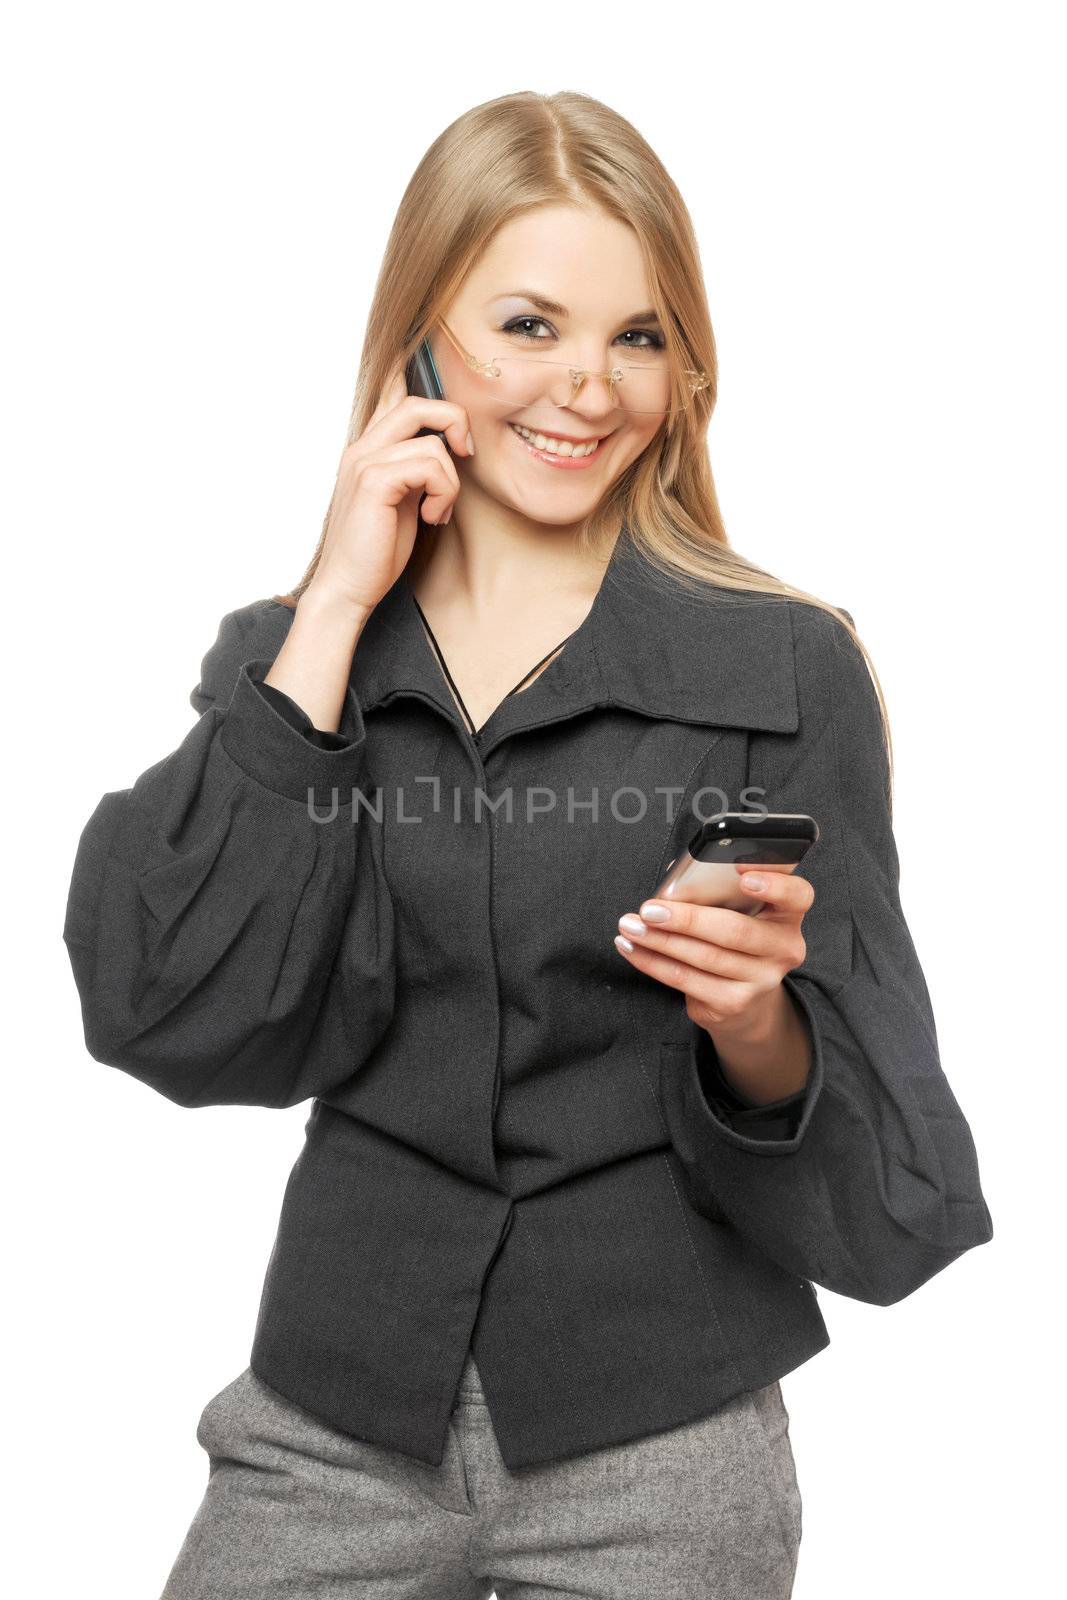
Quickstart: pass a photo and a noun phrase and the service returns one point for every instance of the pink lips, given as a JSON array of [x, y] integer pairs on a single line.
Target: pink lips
[[563, 463]]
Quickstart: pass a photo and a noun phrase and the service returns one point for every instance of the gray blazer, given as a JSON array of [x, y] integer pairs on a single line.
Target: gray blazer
[[519, 1142]]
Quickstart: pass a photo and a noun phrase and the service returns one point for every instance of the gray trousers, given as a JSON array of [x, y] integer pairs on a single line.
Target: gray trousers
[[294, 1508]]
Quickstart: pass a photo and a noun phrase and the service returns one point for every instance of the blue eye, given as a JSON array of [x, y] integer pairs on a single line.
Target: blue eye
[[656, 341], [517, 326]]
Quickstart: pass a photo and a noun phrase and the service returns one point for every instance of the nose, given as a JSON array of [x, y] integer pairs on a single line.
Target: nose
[[591, 394]]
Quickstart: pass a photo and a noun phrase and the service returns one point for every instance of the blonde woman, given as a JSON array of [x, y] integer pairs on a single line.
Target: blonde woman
[[575, 1157]]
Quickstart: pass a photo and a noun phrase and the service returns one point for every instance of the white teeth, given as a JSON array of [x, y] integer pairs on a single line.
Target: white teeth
[[555, 447]]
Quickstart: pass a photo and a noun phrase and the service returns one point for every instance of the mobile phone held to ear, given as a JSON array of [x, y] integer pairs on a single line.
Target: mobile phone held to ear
[[422, 378], [706, 871]]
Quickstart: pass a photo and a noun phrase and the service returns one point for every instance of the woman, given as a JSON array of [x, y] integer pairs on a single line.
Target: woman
[[571, 1165]]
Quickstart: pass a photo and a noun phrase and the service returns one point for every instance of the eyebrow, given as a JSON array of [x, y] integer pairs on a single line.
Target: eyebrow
[[552, 308]]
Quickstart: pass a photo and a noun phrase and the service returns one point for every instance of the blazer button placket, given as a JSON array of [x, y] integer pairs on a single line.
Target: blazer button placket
[[481, 819]]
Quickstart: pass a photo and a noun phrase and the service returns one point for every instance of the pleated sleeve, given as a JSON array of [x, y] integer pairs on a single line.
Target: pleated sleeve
[[228, 921], [866, 1182]]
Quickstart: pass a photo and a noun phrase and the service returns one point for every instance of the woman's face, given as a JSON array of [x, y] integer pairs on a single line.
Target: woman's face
[[586, 270]]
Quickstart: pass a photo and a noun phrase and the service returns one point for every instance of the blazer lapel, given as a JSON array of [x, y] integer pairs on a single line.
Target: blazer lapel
[[649, 645]]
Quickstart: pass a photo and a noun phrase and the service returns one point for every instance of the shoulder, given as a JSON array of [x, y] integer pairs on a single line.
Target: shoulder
[[251, 632], [815, 629], [831, 669], [841, 709], [840, 716]]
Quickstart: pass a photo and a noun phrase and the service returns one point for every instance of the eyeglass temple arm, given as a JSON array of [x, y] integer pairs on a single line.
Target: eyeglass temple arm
[[697, 380]]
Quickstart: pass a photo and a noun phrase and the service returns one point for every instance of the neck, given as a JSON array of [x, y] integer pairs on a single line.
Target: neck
[[509, 565]]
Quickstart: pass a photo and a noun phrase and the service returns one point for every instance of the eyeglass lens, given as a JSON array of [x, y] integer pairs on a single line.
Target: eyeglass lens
[[641, 385]]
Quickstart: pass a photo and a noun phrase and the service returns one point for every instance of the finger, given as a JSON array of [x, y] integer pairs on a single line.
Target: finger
[[784, 891], [736, 930], [436, 508], [407, 413], [443, 416], [722, 996], [706, 955], [395, 479], [423, 449]]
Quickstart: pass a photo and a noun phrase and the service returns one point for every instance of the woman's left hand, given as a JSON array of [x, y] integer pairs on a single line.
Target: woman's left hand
[[729, 965]]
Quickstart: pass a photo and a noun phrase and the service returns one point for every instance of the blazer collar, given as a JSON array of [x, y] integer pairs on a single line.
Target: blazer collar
[[647, 645]]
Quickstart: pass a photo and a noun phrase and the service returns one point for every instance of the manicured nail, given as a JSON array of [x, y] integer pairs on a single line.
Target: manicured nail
[[632, 924], [656, 913], [623, 944], [470, 443], [754, 880]]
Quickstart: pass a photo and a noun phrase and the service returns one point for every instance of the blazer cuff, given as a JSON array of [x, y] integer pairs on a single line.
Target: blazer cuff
[[776, 1127], [297, 717], [266, 746]]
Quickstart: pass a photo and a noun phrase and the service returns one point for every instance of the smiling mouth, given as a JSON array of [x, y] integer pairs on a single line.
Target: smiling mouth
[[555, 444]]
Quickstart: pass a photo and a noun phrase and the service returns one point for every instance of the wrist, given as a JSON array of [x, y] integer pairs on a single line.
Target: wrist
[[332, 609], [759, 1026], [314, 664], [769, 1055]]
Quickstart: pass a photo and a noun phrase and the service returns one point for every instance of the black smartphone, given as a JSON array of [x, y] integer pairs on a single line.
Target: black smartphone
[[706, 871], [422, 378]]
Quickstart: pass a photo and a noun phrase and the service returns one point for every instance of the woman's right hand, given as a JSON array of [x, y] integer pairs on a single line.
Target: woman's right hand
[[382, 477]]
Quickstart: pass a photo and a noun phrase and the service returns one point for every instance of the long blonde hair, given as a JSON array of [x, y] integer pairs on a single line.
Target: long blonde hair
[[527, 150]]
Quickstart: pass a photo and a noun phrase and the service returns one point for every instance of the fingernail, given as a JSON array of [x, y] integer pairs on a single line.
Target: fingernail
[[754, 880], [470, 444], [623, 944], [655, 913], [632, 924]]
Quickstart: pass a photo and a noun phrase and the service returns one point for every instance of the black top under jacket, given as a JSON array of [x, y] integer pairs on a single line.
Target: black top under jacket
[[519, 1143]]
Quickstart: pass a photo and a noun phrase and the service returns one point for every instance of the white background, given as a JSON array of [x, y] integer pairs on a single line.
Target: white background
[[196, 200]]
